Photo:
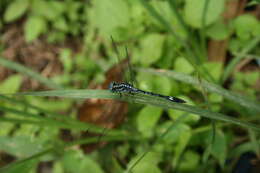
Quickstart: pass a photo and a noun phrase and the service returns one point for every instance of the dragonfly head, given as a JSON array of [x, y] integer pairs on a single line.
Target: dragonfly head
[[111, 86]]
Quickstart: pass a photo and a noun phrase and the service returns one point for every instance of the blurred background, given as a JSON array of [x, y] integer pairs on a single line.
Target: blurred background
[[204, 51]]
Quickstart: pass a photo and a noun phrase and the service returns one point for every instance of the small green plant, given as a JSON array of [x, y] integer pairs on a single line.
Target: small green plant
[[160, 136]]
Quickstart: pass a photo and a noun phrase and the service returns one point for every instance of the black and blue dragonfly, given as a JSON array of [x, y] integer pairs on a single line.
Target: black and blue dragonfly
[[125, 87]]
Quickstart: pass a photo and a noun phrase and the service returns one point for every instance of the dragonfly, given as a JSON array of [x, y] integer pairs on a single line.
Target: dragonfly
[[129, 88], [124, 87]]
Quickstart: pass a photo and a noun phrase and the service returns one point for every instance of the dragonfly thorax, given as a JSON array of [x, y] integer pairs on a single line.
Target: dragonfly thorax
[[121, 87]]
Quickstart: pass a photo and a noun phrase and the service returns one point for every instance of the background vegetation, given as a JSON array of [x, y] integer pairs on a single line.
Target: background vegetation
[[203, 51]]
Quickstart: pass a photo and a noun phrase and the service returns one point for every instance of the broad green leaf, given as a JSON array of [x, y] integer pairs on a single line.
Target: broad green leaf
[[61, 24], [218, 31], [91, 166], [11, 84], [106, 16], [151, 48], [190, 118], [162, 85], [57, 167], [183, 141], [34, 27], [147, 119], [6, 128], [252, 77], [148, 163], [145, 81], [245, 26], [219, 147], [189, 162], [164, 9], [194, 11], [146, 167], [15, 10], [175, 133], [155, 84], [183, 66], [72, 8], [215, 98], [20, 146], [75, 161], [48, 9], [215, 69]]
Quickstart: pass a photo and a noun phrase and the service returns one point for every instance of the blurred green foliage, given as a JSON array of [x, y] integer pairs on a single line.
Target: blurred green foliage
[[163, 34]]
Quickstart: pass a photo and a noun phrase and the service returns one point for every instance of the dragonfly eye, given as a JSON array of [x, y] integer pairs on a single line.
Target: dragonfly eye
[[111, 86]]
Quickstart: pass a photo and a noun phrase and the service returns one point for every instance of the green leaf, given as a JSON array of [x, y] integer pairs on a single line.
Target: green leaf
[[154, 84], [252, 77], [245, 26], [164, 9], [175, 133], [183, 66], [162, 85], [61, 24], [146, 167], [34, 27], [15, 10], [147, 119], [194, 11], [106, 16], [190, 118], [215, 69], [20, 146], [190, 161], [151, 48], [91, 166], [57, 167], [75, 161], [213, 97], [219, 147], [48, 9], [218, 31], [148, 164], [185, 134], [11, 84]]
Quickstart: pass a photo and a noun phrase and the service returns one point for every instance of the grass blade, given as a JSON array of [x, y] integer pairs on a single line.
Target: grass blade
[[210, 87], [25, 70], [144, 99]]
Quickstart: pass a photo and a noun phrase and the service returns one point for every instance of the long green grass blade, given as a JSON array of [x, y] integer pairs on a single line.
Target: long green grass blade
[[25, 70], [26, 105], [210, 87], [144, 99], [24, 117]]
